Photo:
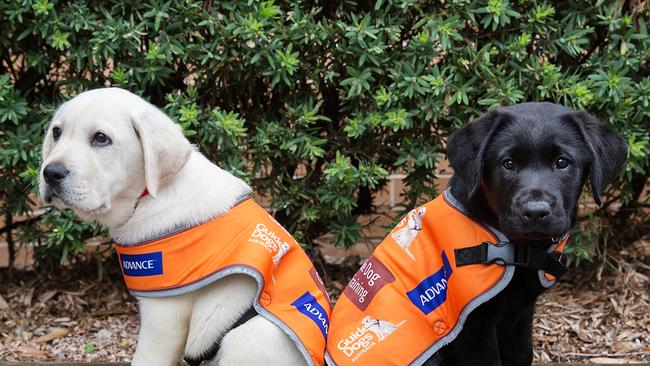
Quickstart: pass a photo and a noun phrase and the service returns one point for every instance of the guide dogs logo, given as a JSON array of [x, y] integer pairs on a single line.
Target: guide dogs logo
[[369, 279], [432, 292], [408, 229], [267, 238], [366, 337]]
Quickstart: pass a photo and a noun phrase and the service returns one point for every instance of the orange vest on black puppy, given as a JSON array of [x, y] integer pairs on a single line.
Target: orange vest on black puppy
[[414, 293]]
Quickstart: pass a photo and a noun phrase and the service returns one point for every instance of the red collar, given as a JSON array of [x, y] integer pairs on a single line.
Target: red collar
[[144, 193]]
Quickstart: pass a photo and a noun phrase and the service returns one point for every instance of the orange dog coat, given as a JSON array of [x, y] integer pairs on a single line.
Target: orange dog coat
[[245, 240], [413, 294]]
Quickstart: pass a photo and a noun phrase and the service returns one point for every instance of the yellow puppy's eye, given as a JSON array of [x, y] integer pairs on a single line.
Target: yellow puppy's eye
[[101, 139], [56, 133]]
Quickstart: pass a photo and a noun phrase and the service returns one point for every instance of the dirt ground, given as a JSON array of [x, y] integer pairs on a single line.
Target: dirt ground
[[598, 314]]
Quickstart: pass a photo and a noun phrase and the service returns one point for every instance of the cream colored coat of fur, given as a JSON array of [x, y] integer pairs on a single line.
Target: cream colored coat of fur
[[104, 184]]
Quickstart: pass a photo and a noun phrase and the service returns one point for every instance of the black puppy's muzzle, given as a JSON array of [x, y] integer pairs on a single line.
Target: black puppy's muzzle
[[54, 174], [536, 213]]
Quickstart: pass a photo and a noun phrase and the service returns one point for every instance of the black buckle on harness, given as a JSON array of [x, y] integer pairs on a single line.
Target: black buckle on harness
[[511, 254]]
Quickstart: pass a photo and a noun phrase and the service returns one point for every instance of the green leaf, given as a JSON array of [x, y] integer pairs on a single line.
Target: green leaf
[[89, 347]]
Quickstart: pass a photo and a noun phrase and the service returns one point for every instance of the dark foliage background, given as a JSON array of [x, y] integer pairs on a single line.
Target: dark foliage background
[[315, 103]]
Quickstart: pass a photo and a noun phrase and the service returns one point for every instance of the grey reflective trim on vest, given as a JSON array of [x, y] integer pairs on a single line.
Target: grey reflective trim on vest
[[245, 270], [454, 202], [328, 359], [481, 299], [182, 289], [545, 282], [459, 206], [183, 227]]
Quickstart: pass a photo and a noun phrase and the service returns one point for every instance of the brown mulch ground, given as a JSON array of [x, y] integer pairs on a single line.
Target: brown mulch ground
[[600, 314], [67, 316]]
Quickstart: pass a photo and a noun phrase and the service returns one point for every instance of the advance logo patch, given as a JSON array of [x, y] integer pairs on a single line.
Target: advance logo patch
[[307, 305], [138, 265], [432, 292]]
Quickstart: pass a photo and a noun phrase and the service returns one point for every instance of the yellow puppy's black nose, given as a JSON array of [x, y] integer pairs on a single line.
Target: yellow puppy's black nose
[[55, 173]]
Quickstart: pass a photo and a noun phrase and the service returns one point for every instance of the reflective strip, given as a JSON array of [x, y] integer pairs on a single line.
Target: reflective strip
[[459, 206], [328, 359], [180, 228], [545, 282], [183, 289]]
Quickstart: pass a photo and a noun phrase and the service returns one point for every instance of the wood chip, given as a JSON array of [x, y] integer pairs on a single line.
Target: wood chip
[[54, 334], [31, 351], [46, 296], [3, 303], [611, 361]]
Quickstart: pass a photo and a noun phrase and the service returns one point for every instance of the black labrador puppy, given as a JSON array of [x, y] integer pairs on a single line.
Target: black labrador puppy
[[521, 169]]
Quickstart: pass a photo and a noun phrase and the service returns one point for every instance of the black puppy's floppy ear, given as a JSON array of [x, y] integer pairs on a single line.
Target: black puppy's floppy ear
[[608, 151], [466, 148]]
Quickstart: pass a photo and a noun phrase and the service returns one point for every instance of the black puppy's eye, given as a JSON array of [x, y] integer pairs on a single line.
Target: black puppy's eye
[[100, 139], [56, 133], [508, 164], [562, 162]]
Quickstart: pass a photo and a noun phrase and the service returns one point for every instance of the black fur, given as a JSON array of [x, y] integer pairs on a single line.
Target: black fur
[[532, 203]]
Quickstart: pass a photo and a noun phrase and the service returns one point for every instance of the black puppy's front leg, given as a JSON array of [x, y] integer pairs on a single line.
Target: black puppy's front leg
[[516, 344], [477, 344]]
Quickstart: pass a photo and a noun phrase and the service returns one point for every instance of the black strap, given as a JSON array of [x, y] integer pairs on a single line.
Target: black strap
[[520, 255], [471, 255], [212, 351]]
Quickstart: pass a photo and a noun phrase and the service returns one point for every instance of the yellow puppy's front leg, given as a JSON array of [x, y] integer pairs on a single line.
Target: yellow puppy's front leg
[[164, 323]]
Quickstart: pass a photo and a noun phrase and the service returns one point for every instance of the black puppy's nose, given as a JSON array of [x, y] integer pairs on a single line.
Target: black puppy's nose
[[54, 173], [536, 210]]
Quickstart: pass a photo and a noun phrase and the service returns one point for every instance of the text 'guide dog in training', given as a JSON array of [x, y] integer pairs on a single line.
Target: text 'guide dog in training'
[[216, 277], [455, 282]]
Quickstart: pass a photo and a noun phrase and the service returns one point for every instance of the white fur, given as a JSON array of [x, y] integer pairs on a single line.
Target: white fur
[[104, 185]]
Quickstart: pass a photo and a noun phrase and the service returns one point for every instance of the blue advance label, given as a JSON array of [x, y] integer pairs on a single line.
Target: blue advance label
[[147, 264], [432, 292], [307, 305]]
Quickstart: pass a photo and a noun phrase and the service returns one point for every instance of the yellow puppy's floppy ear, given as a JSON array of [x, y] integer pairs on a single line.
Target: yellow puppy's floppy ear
[[165, 148]]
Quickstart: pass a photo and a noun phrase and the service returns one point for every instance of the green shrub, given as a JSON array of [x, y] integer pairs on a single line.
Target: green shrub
[[315, 103]]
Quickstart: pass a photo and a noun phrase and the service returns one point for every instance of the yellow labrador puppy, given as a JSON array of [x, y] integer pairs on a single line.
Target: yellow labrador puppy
[[101, 150]]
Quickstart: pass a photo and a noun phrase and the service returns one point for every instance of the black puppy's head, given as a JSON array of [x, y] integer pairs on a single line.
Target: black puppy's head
[[529, 162]]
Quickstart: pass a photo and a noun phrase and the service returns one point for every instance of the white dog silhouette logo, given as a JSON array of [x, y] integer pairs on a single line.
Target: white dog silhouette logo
[[283, 248], [269, 239], [381, 328], [412, 226]]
